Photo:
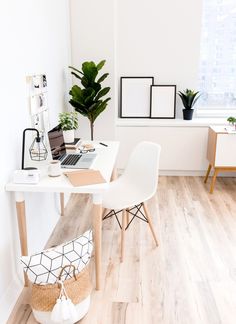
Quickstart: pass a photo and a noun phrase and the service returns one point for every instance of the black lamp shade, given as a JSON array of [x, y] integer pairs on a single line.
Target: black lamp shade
[[37, 150]]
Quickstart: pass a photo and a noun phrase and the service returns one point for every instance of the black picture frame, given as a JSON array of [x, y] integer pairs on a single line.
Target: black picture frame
[[159, 98], [126, 111]]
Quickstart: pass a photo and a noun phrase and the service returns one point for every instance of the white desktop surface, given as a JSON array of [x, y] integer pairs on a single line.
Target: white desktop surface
[[104, 162]]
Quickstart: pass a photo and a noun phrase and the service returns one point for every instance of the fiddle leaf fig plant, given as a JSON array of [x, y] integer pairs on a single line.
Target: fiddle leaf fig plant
[[88, 98]]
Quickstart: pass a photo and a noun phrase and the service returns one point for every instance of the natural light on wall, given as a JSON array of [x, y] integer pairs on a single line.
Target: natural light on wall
[[217, 81]]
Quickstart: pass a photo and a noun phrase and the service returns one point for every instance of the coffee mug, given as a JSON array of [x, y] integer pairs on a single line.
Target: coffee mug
[[54, 169]]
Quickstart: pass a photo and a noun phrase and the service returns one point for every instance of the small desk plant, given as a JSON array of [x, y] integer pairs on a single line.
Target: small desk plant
[[189, 98], [68, 122], [88, 99]]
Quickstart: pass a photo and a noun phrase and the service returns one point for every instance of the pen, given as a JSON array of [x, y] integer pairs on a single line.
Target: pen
[[103, 144]]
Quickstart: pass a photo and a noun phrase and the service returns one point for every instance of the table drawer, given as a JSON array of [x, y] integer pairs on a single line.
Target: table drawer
[[225, 150]]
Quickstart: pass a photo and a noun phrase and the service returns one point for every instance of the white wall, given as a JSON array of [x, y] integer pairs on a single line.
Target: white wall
[[145, 38], [92, 35], [183, 148], [34, 39]]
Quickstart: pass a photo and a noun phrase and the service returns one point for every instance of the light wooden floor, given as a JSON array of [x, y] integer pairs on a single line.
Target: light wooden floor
[[189, 279]]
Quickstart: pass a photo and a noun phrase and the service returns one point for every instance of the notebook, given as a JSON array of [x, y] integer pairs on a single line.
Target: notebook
[[85, 177]]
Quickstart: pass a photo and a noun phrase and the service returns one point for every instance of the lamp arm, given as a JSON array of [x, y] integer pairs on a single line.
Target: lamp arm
[[23, 144]]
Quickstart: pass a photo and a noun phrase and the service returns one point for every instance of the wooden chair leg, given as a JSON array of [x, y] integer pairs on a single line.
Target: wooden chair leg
[[123, 235], [114, 175], [208, 172], [127, 218], [105, 211], [150, 223], [62, 202], [213, 180]]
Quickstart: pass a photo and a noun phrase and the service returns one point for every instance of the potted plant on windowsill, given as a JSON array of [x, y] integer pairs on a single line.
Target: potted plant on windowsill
[[189, 98], [68, 122], [232, 122]]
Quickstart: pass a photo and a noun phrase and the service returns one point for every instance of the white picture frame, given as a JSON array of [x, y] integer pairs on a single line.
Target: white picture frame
[[163, 101], [135, 97]]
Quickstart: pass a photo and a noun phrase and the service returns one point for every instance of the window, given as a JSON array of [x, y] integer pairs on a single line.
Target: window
[[217, 81]]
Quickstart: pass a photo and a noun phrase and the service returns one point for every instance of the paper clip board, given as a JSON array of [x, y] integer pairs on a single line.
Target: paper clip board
[[85, 177]]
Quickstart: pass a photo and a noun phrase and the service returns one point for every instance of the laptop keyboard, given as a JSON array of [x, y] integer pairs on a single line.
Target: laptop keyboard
[[71, 159]]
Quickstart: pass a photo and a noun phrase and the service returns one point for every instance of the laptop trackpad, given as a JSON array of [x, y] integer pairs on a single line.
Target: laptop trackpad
[[86, 161]]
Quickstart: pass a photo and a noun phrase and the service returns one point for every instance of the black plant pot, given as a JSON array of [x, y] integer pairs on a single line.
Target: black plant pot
[[188, 114]]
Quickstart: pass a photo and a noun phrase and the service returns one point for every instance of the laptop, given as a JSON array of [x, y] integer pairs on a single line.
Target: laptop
[[68, 161]]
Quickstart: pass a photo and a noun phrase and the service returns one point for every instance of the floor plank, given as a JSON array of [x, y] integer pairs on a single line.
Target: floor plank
[[189, 278]]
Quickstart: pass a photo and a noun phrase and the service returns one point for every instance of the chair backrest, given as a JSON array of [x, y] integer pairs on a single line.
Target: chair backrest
[[143, 165]]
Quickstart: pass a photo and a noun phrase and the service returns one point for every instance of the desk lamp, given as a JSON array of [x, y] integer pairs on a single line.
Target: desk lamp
[[37, 150]]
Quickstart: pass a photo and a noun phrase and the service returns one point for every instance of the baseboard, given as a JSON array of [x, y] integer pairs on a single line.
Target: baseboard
[[188, 173], [192, 173], [178, 173], [9, 299]]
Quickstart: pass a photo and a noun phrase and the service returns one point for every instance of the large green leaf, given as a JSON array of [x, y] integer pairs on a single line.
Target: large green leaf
[[90, 70], [99, 109], [88, 95], [76, 75], [102, 93], [80, 109], [71, 67], [85, 82], [77, 94], [102, 78], [101, 64], [96, 86]]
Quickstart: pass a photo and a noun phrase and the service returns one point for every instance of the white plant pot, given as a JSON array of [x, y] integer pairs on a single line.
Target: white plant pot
[[69, 136], [81, 308]]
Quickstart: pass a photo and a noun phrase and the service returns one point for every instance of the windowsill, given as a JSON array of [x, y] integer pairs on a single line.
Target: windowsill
[[195, 122]]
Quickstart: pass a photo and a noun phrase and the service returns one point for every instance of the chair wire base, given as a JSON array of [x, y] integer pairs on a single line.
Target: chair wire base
[[138, 213]]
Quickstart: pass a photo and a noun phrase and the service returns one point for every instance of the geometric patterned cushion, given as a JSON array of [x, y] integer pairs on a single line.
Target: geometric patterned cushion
[[44, 267]]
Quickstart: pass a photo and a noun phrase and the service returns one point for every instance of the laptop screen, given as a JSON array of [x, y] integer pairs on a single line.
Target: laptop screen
[[56, 142]]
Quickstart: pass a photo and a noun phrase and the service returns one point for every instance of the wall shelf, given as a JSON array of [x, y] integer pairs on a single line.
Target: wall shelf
[[196, 122]]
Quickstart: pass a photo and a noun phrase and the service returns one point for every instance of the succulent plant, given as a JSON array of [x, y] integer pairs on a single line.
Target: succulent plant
[[189, 98]]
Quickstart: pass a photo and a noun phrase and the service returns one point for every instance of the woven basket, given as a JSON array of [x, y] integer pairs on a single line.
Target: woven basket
[[44, 297]]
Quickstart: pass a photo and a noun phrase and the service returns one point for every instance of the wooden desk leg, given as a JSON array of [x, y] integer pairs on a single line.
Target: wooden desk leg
[[105, 211], [20, 209], [214, 180], [208, 172], [97, 232], [114, 175], [62, 203], [122, 243]]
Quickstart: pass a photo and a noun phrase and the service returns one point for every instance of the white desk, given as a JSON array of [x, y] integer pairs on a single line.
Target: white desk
[[105, 162]]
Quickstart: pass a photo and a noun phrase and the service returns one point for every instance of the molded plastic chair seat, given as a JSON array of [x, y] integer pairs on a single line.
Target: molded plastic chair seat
[[122, 194], [136, 185]]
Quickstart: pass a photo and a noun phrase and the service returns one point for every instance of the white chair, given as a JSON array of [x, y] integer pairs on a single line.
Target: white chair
[[133, 188]]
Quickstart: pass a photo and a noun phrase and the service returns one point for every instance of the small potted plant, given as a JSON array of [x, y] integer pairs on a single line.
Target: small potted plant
[[232, 121], [68, 122], [189, 98]]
